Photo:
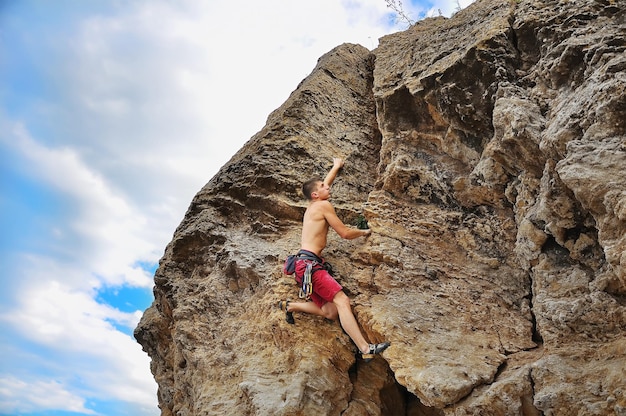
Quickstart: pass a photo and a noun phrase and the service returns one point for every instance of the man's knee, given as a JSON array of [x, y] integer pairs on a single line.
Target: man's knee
[[333, 315], [330, 311], [341, 300]]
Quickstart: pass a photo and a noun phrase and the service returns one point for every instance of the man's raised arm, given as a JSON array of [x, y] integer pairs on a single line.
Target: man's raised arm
[[330, 177]]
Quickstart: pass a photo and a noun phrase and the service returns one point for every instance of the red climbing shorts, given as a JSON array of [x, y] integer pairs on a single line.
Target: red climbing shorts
[[325, 287]]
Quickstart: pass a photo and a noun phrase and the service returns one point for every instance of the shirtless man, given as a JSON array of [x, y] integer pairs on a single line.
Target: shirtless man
[[328, 298]]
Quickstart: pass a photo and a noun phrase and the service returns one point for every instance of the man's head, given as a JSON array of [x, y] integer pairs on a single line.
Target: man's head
[[315, 189]]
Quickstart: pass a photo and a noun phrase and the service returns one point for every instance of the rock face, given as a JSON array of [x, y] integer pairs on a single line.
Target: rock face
[[488, 154]]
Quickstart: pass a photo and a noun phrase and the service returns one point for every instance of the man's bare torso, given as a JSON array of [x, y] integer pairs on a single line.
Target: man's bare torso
[[315, 227]]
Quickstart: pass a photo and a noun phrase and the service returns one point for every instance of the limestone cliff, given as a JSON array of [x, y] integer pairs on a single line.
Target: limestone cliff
[[487, 153]]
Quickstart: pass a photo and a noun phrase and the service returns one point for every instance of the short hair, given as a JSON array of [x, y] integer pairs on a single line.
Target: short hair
[[310, 186]]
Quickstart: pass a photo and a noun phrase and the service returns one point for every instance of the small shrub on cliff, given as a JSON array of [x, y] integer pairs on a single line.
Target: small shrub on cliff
[[396, 6], [361, 223]]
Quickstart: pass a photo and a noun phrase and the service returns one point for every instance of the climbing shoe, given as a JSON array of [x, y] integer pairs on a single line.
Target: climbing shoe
[[373, 350], [282, 305]]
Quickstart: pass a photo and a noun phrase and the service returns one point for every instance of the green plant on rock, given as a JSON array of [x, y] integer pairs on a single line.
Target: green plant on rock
[[361, 222]]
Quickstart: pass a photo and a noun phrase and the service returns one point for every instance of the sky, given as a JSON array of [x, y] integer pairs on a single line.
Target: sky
[[113, 114]]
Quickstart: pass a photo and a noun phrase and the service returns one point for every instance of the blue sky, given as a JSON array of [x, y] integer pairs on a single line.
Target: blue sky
[[113, 114]]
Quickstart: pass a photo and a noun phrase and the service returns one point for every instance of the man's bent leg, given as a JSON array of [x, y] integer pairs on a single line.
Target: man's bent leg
[[348, 322], [328, 311]]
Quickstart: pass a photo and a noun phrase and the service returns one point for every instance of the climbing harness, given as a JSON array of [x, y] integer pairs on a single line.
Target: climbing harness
[[313, 263]]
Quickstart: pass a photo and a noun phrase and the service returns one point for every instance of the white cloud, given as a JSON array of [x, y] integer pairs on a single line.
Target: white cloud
[[18, 396], [103, 233], [83, 334]]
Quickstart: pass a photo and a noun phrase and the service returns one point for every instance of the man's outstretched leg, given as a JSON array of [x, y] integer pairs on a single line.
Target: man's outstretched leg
[[350, 325]]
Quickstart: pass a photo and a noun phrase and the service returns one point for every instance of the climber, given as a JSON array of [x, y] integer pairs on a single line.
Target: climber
[[328, 298]]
